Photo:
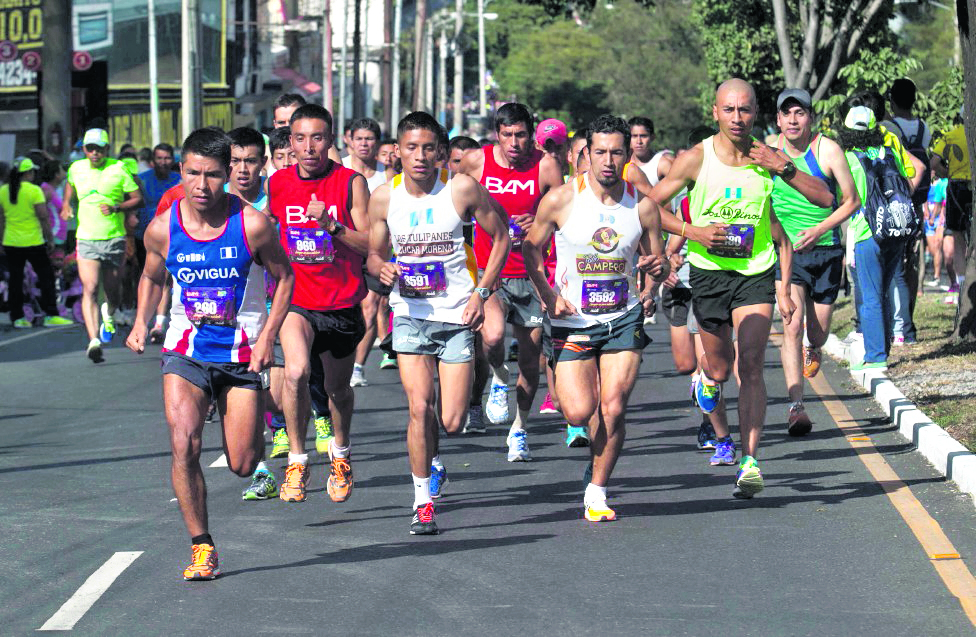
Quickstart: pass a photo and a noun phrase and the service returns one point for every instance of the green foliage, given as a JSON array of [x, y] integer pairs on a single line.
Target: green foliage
[[872, 71], [929, 33], [939, 106]]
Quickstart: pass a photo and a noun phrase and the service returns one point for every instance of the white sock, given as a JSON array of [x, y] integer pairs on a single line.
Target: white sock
[[694, 377], [95, 341], [421, 491], [594, 493], [356, 367], [300, 458], [337, 451], [500, 374], [436, 463], [160, 319], [521, 418], [262, 468]]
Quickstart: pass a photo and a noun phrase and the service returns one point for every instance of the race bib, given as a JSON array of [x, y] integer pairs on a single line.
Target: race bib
[[310, 245], [516, 234], [603, 297], [739, 240], [422, 280], [210, 306]]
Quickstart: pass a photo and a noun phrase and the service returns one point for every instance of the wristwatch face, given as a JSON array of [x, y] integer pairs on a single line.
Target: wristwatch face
[[483, 292]]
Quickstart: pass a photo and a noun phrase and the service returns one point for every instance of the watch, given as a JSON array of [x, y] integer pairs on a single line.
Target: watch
[[484, 293], [789, 171], [337, 229]]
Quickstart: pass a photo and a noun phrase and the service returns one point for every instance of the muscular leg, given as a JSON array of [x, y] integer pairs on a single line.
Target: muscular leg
[[417, 376], [112, 284], [493, 332], [751, 324], [792, 351], [370, 307], [186, 406], [383, 317], [296, 340], [530, 346], [719, 418], [455, 381], [338, 371], [577, 385], [934, 244], [618, 373], [240, 413], [949, 252], [683, 350], [818, 322], [89, 271]]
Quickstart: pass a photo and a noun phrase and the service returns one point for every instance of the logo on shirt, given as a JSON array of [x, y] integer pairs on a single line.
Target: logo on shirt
[[733, 193], [596, 264], [605, 240], [188, 258], [498, 186], [189, 276], [228, 252], [296, 214]]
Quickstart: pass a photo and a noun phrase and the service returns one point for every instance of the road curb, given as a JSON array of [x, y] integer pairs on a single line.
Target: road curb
[[944, 452]]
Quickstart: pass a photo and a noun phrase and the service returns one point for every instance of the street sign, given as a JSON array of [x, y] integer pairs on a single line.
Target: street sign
[[32, 60], [8, 51], [81, 60]]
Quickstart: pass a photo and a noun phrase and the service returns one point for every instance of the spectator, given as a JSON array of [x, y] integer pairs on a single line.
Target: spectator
[[52, 183], [934, 214], [145, 157], [950, 158]]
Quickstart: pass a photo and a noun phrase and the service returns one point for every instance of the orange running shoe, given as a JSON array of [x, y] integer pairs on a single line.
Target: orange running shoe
[[296, 480], [811, 361], [339, 485], [798, 422], [204, 564], [599, 512]]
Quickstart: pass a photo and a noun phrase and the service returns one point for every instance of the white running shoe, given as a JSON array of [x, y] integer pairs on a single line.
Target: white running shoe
[[518, 447], [358, 379], [497, 407], [474, 424]]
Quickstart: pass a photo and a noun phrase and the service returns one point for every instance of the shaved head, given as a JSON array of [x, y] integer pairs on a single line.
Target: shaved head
[[735, 86], [735, 110]]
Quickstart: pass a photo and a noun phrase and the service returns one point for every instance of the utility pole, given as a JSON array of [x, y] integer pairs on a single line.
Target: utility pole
[[55, 98], [326, 55], [340, 123], [482, 71], [395, 100], [365, 84], [442, 77], [190, 67], [154, 75], [356, 53], [458, 69], [418, 55], [429, 96], [386, 80]]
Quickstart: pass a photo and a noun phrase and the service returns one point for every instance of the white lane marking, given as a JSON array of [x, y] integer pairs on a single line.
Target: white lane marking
[[173, 500], [93, 588], [39, 331], [219, 462]]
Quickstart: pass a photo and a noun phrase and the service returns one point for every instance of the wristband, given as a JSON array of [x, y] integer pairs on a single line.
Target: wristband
[[683, 224]]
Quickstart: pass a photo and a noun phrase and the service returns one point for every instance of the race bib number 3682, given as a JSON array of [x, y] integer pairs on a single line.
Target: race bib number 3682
[[210, 306]]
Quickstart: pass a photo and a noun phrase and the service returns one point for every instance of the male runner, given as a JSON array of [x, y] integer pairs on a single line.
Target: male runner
[[456, 149], [516, 175], [654, 164], [595, 312], [818, 254], [435, 302], [365, 134], [551, 138], [321, 210], [106, 195], [386, 152], [247, 156], [279, 143], [732, 257], [220, 336]]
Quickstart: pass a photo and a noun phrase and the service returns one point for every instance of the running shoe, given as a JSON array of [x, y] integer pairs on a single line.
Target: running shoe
[[296, 480], [263, 486], [423, 520], [279, 442], [438, 480], [547, 406], [513, 350], [897, 341], [358, 379], [95, 351], [22, 324], [811, 361], [862, 366], [598, 511], [749, 480], [323, 432], [340, 481], [203, 565], [211, 412], [577, 437], [934, 283], [56, 321], [475, 423], [107, 329], [798, 422], [707, 440], [707, 396], [497, 407], [724, 453], [157, 334], [518, 447], [388, 362]]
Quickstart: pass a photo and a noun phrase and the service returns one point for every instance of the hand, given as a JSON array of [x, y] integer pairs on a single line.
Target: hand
[[672, 279], [106, 209], [389, 273], [262, 355], [711, 235], [67, 213], [786, 306], [315, 209], [805, 239], [653, 265], [524, 222], [474, 312], [560, 308], [677, 260], [766, 157], [137, 338], [649, 304]]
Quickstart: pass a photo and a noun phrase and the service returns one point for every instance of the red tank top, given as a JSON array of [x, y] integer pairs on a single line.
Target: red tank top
[[328, 273], [518, 192]]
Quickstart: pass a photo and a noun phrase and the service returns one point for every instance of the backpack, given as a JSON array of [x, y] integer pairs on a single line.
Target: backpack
[[887, 200], [914, 146]]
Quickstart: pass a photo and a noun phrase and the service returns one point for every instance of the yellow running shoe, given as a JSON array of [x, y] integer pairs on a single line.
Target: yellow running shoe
[[599, 512], [323, 433], [296, 480], [339, 485], [203, 566], [279, 443]]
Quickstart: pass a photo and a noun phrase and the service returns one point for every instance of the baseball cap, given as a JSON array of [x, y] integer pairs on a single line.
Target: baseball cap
[[96, 136], [551, 129], [860, 118], [24, 164], [798, 94]]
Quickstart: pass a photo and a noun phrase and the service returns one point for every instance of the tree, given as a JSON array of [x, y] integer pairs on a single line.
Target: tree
[[965, 328]]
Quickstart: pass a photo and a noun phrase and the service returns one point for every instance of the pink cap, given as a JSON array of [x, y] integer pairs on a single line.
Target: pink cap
[[551, 129]]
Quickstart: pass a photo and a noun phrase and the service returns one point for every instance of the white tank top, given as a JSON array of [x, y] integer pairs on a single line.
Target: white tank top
[[439, 269], [374, 182], [595, 251], [650, 168]]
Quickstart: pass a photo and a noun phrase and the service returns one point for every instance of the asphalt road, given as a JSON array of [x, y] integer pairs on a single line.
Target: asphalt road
[[84, 473]]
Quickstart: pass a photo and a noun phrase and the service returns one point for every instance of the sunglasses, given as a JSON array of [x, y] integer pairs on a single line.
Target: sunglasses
[[91, 148]]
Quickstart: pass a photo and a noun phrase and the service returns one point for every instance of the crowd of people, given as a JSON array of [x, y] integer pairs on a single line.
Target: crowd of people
[[270, 266]]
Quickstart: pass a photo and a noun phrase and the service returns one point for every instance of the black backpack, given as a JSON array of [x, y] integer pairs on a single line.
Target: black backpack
[[887, 201], [914, 146]]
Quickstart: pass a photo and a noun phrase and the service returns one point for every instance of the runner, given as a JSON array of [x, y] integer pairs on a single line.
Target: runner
[[595, 313], [282, 154], [156, 182], [435, 302], [818, 253], [950, 159], [247, 156], [456, 149], [220, 336], [517, 176], [653, 164], [732, 277], [386, 152], [320, 206], [106, 194]]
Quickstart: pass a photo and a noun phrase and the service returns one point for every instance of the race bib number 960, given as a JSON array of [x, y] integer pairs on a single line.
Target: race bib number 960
[[422, 280], [210, 306], [310, 245]]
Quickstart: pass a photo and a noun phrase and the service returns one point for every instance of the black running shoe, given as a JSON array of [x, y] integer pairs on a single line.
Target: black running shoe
[[423, 520]]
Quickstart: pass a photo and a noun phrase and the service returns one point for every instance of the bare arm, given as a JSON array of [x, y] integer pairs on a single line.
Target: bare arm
[[775, 161], [552, 209], [263, 239], [920, 169], [783, 297], [151, 282], [44, 218], [472, 164], [356, 237], [378, 259], [67, 212], [684, 170], [836, 167], [470, 196], [651, 244]]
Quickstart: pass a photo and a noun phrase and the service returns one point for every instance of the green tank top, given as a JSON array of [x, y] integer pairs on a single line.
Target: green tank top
[[738, 196], [792, 209]]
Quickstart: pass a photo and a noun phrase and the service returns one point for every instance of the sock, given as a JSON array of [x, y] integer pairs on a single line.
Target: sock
[[95, 341], [521, 417], [421, 491], [262, 468], [796, 404], [436, 463], [203, 538], [160, 319], [500, 375], [339, 452], [960, 279], [356, 367], [594, 493], [300, 458]]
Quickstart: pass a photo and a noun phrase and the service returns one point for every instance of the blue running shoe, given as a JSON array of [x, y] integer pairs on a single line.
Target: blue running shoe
[[107, 328], [707, 440], [749, 480], [707, 396], [577, 437], [724, 453], [438, 480]]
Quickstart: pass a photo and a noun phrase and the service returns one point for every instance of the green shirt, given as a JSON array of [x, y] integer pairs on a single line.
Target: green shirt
[[794, 211], [859, 227], [94, 186], [22, 228]]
